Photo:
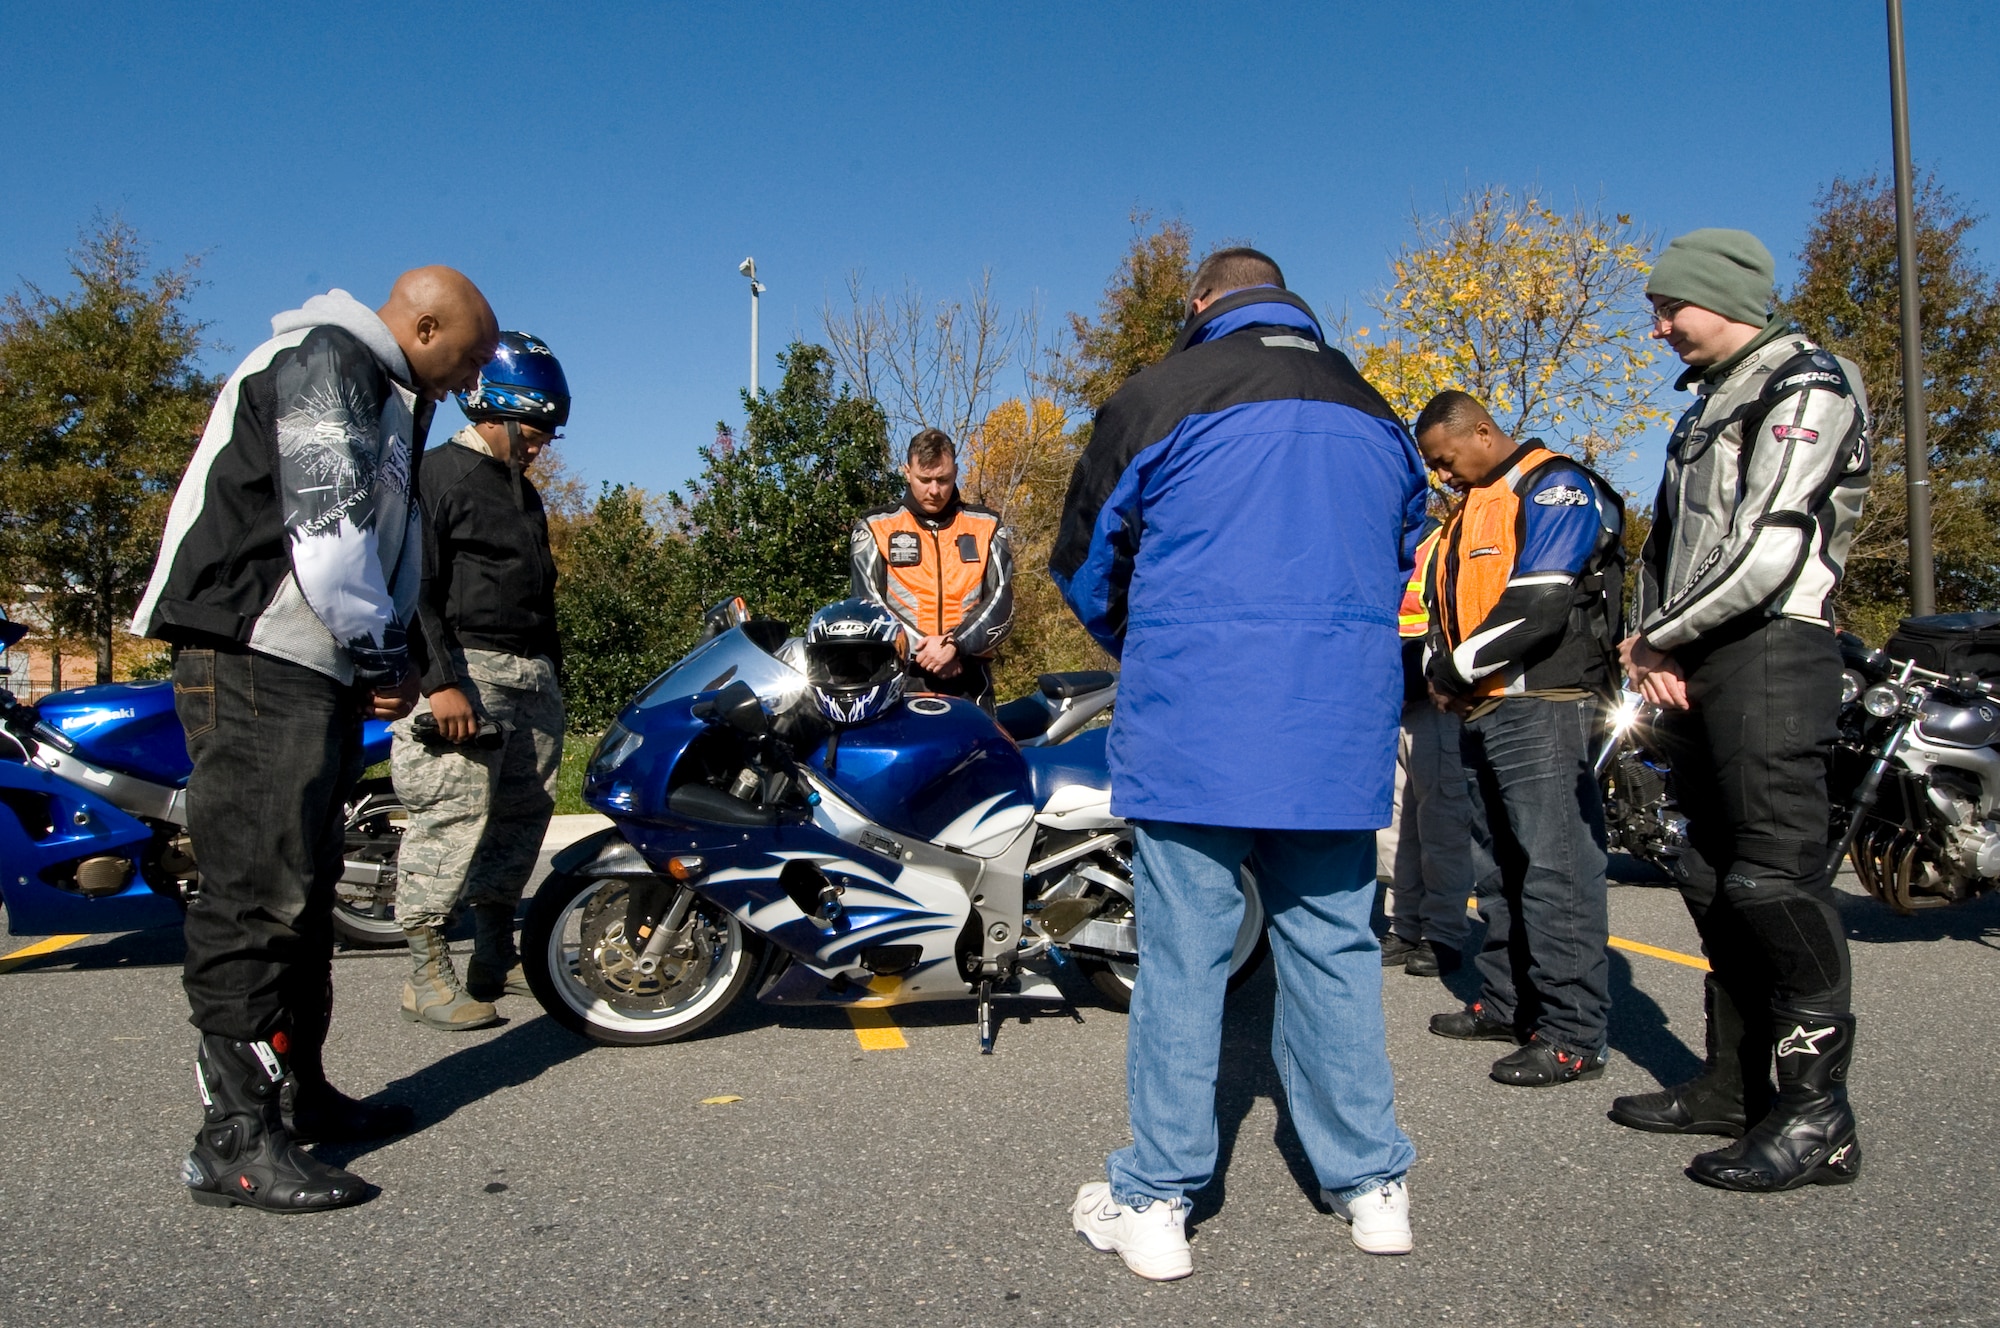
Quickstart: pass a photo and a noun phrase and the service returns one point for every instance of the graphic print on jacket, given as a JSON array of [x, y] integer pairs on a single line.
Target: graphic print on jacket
[[1238, 535], [293, 530]]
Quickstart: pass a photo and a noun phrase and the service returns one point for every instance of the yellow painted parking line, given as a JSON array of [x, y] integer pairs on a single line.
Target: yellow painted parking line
[[1671, 956], [47, 945], [1636, 947], [875, 1030]]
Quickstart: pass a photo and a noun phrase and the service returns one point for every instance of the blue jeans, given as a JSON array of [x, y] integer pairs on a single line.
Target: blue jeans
[[1544, 965], [1318, 888]]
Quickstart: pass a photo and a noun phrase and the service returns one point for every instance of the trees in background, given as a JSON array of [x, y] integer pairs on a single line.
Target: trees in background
[[770, 515], [1848, 298], [1140, 315], [101, 405], [1538, 313], [623, 606]]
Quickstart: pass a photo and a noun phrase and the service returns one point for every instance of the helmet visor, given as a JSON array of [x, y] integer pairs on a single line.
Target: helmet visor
[[848, 666]]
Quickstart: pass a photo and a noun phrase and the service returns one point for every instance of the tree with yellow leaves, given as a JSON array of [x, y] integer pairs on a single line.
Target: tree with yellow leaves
[[1018, 462], [1538, 313]]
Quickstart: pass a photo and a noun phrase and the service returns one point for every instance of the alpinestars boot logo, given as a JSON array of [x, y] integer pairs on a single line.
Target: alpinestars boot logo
[[1798, 1042]]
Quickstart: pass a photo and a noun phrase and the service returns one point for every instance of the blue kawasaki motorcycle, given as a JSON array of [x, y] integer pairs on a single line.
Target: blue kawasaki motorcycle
[[96, 781], [932, 854]]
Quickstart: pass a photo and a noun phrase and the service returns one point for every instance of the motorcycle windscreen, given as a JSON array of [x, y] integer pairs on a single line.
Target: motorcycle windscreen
[[938, 768]]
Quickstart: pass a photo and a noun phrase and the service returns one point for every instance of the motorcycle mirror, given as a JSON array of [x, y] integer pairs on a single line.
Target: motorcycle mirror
[[737, 706], [730, 613]]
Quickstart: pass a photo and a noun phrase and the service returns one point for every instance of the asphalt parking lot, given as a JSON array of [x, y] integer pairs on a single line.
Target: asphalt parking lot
[[779, 1171]]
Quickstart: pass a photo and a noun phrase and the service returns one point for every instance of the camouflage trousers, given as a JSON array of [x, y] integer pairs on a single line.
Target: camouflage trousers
[[477, 816]]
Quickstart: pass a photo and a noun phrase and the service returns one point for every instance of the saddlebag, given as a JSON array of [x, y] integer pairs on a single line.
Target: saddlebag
[[1950, 643]]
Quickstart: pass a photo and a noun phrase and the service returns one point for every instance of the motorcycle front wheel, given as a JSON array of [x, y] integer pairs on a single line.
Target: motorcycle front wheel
[[364, 900], [583, 968], [1115, 978]]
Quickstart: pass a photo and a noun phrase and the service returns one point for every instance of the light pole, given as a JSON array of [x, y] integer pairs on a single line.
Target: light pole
[[748, 267], [1916, 440]]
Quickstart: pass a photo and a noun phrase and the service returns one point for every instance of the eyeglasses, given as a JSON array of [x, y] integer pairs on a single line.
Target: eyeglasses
[[1664, 313]]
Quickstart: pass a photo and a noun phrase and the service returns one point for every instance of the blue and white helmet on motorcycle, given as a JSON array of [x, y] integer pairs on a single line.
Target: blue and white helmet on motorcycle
[[857, 660], [524, 382]]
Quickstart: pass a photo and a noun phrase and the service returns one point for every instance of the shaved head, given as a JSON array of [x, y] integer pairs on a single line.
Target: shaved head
[[1459, 439], [1453, 411], [444, 325]]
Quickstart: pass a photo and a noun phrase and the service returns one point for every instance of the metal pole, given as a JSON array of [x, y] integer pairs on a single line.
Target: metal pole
[[1916, 441], [748, 267]]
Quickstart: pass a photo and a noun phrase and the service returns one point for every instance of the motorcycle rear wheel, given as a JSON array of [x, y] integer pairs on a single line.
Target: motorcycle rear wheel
[[578, 966], [364, 913], [1114, 979]]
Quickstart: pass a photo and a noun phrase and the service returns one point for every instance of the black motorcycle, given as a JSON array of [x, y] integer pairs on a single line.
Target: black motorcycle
[[1915, 778]]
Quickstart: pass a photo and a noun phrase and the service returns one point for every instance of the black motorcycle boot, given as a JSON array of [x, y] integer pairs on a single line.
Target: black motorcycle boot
[[495, 967], [1474, 1024], [1808, 1138], [315, 1112], [1733, 1089], [243, 1154]]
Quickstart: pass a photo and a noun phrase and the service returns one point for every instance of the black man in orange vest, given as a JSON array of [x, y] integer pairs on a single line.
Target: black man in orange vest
[[1526, 600]]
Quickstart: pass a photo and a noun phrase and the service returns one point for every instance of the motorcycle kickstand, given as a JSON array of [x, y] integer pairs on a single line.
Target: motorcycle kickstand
[[986, 1016]]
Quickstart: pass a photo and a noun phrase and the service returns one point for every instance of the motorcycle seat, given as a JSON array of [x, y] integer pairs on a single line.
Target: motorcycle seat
[[1066, 686], [1024, 718], [1081, 760]]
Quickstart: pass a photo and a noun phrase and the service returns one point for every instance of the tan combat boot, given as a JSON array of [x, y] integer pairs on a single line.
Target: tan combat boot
[[432, 995], [495, 967]]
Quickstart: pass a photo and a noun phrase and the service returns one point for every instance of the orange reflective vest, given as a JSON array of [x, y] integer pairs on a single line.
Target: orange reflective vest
[[1413, 619], [932, 579], [1480, 543]]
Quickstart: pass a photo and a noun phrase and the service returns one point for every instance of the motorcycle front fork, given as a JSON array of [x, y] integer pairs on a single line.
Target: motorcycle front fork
[[1866, 791], [659, 930]]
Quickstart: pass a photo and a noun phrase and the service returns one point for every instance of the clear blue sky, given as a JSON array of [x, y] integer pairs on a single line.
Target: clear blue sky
[[601, 169]]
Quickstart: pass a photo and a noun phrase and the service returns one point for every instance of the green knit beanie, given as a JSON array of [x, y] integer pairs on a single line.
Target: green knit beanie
[[1726, 272]]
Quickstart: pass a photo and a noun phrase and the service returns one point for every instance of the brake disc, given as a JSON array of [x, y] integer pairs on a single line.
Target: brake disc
[[608, 962]]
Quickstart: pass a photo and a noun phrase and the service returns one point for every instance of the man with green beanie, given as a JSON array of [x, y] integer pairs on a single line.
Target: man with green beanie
[[1764, 482]]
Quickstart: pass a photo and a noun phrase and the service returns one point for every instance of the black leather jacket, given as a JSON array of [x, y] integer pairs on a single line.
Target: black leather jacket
[[489, 578]]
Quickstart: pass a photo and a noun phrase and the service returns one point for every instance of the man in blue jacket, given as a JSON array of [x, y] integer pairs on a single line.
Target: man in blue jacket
[[1235, 534]]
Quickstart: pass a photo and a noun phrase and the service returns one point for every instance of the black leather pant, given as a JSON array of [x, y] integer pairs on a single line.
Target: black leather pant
[[276, 749], [1749, 771]]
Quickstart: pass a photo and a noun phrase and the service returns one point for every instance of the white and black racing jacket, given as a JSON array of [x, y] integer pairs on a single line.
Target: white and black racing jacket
[[294, 532], [1764, 481]]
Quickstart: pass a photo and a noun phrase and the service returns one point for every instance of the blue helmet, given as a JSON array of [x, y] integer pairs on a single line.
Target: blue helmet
[[856, 657], [524, 381]]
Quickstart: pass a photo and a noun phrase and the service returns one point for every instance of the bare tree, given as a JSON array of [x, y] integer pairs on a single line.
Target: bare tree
[[928, 365]]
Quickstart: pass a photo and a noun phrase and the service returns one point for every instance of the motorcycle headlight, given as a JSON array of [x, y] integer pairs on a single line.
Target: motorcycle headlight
[[1850, 686], [1881, 701], [614, 749]]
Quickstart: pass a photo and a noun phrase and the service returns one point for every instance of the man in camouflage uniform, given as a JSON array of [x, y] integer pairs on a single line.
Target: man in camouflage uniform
[[476, 762]]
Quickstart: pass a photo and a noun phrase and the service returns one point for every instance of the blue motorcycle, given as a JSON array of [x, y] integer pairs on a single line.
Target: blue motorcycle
[[96, 779], [929, 855]]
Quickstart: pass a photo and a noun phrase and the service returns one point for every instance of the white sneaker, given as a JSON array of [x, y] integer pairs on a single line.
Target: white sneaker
[[1380, 1218], [1151, 1240]]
